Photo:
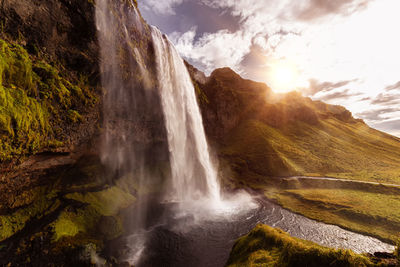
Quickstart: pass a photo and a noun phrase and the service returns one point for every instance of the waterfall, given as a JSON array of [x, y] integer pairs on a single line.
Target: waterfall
[[151, 117], [193, 174], [139, 94], [130, 140]]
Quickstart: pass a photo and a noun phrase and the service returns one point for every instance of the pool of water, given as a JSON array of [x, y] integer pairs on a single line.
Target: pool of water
[[186, 240]]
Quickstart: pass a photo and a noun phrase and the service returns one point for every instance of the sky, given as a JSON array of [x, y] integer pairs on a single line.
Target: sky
[[343, 52]]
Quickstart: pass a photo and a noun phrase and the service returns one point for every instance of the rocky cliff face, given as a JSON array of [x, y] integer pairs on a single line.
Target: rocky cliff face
[[58, 44], [64, 30], [57, 204]]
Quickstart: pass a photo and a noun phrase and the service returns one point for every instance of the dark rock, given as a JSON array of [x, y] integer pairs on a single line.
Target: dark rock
[[64, 30]]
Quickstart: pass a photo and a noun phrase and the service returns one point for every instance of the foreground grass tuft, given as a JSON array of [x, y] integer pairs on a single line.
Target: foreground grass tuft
[[267, 246]]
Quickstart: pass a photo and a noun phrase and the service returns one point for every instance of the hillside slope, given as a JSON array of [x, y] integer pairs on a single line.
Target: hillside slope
[[262, 133]]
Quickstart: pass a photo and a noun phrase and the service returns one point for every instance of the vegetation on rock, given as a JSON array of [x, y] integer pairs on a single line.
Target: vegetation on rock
[[35, 100], [266, 246]]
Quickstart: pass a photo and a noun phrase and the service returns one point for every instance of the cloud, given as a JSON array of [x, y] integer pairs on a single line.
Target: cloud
[[189, 13], [162, 7], [314, 9], [345, 94], [390, 126], [213, 50], [377, 114], [386, 99], [316, 86], [393, 86], [319, 37], [257, 23]]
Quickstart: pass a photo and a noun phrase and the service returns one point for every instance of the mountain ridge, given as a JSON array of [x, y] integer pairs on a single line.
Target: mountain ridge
[[268, 134]]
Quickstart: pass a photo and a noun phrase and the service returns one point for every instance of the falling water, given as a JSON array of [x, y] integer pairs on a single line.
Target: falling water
[[193, 175], [132, 124], [132, 101]]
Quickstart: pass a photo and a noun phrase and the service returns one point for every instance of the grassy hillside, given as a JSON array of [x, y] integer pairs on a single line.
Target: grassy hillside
[[279, 135], [262, 136], [330, 148], [266, 246]]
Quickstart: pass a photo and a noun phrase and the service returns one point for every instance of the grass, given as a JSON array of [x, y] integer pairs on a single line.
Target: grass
[[284, 135], [372, 213], [106, 202], [330, 148], [267, 246]]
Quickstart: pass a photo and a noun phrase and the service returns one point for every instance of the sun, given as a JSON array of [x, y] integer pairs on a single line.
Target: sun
[[284, 77]]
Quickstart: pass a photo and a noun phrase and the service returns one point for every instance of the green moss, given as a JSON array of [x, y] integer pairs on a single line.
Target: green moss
[[201, 96], [100, 216], [34, 101], [266, 246], [42, 205], [66, 226], [71, 223], [74, 116], [107, 202]]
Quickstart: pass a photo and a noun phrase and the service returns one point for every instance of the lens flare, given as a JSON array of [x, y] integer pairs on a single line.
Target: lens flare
[[284, 77]]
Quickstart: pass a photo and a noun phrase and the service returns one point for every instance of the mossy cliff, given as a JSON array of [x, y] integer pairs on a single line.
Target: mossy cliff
[[58, 206], [49, 77], [36, 102]]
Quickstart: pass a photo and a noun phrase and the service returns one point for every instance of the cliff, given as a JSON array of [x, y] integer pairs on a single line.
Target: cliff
[[58, 205]]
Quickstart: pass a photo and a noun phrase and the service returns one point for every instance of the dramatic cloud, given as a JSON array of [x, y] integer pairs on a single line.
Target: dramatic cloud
[[390, 126], [191, 13], [313, 9], [395, 86], [377, 114], [162, 7], [213, 50], [316, 86], [339, 95], [386, 99]]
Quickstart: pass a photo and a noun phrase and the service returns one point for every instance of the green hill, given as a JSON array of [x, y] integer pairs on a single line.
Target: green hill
[[262, 133]]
